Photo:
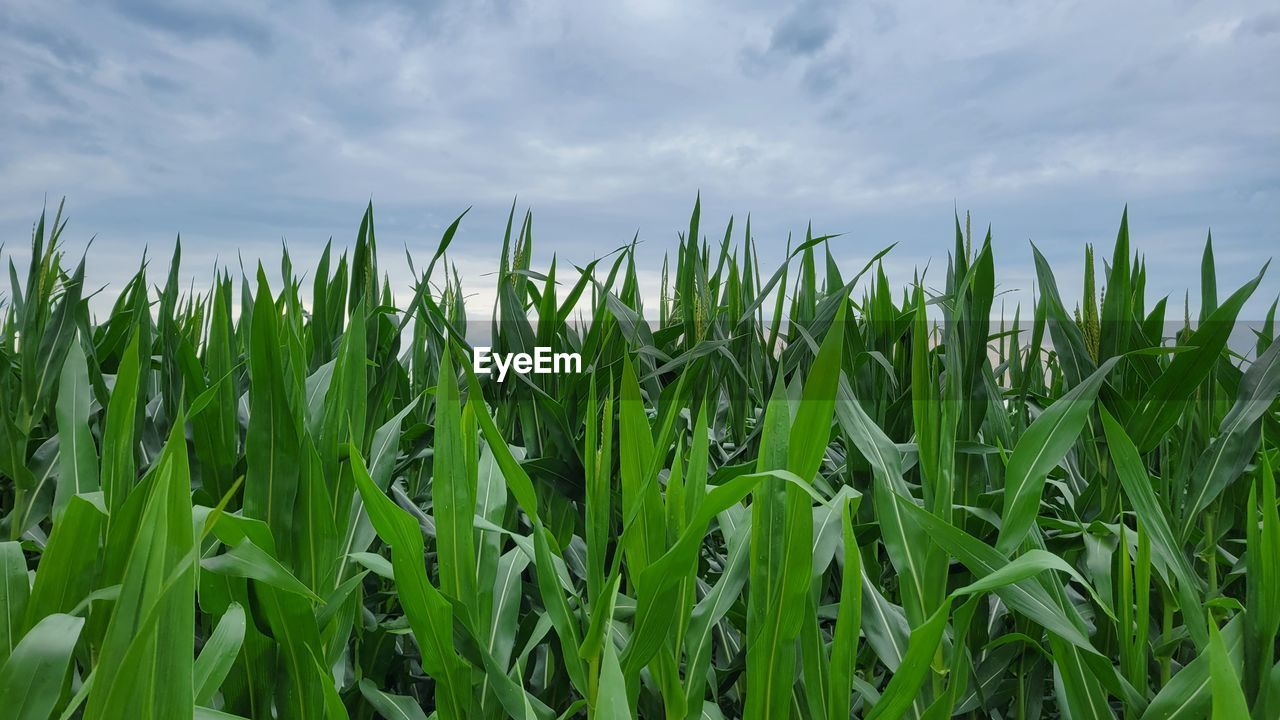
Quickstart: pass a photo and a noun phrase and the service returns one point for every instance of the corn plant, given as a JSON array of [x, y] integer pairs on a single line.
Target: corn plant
[[787, 492]]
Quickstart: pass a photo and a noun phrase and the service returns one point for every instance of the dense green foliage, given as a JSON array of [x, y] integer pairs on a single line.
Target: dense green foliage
[[790, 493]]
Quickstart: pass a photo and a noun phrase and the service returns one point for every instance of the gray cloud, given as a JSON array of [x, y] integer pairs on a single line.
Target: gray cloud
[[805, 30], [1260, 25], [197, 21], [244, 124]]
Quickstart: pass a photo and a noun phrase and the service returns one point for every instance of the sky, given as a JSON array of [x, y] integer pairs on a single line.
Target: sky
[[243, 124]]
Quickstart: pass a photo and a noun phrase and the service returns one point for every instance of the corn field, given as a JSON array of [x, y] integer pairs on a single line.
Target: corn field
[[791, 492]]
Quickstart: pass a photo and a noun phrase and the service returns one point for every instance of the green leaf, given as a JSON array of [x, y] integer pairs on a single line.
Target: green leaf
[[14, 592], [219, 652], [1228, 697], [1188, 693], [1152, 518], [247, 560], [1238, 435], [1029, 598], [77, 455], [145, 668], [613, 704], [453, 494], [430, 614], [1166, 399], [69, 565], [390, 706], [32, 678], [272, 456], [844, 638], [119, 468], [640, 497], [905, 684], [1039, 451]]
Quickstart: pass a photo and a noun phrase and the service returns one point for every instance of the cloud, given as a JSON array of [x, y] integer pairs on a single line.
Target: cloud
[[242, 124], [197, 21], [1260, 25], [805, 30]]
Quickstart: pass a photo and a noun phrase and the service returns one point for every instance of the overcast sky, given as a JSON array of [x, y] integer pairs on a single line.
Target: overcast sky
[[245, 124]]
